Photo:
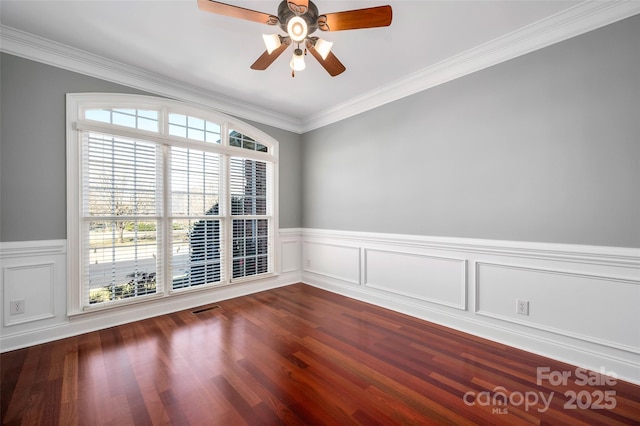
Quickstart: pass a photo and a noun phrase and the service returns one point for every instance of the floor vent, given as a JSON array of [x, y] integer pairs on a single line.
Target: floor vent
[[205, 309]]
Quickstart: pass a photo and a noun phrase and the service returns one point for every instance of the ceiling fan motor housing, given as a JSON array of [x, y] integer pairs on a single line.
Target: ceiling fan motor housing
[[310, 17]]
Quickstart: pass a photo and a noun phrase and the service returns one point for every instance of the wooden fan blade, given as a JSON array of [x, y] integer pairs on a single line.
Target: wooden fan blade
[[236, 12], [332, 64], [298, 7], [266, 59], [371, 17]]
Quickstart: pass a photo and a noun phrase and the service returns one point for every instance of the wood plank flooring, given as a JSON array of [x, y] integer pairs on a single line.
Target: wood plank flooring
[[296, 355]]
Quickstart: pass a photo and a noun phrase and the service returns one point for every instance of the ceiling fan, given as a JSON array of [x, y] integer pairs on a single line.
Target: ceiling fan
[[299, 19]]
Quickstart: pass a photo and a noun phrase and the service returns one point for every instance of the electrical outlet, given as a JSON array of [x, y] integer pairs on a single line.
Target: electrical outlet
[[522, 307], [16, 307], [308, 263]]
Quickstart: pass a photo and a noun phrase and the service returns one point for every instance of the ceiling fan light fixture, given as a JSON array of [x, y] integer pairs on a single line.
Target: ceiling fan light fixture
[[297, 62], [297, 29], [323, 47], [300, 18], [271, 41]]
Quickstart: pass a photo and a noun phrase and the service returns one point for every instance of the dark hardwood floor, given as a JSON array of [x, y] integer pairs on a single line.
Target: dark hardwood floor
[[303, 356]]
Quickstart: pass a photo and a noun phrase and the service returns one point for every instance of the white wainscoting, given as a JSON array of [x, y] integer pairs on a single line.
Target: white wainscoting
[[584, 301], [30, 271], [33, 282], [585, 307], [35, 271], [338, 261], [291, 253], [440, 280]]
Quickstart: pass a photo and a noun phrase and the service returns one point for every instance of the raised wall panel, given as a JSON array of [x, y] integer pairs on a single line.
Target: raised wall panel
[[33, 284], [433, 279], [332, 260], [588, 307], [291, 256]]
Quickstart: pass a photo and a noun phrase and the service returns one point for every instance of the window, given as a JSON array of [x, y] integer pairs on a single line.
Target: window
[[164, 198]]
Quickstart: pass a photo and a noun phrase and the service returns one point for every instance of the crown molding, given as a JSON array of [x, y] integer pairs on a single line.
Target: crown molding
[[39, 49], [579, 19]]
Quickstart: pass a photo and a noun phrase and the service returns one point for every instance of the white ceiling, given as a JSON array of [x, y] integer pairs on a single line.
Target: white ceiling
[[428, 42]]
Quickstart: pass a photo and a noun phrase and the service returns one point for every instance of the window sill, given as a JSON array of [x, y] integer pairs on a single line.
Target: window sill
[[114, 306], [91, 309]]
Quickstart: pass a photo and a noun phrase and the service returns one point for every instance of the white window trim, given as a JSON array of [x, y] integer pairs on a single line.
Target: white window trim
[[75, 124]]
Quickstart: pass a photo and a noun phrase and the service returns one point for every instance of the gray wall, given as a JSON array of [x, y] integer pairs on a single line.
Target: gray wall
[[32, 150], [545, 147]]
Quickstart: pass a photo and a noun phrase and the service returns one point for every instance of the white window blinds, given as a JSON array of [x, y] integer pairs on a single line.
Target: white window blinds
[[197, 249], [122, 196], [249, 200]]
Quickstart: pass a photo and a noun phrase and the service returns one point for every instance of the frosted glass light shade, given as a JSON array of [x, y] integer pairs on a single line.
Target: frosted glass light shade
[[297, 62], [323, 47], [271, 41]]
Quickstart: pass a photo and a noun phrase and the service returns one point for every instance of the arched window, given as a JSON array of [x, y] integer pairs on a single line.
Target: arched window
[[163, 198]]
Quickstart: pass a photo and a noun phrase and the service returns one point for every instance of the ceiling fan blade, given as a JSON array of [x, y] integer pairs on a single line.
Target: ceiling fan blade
[[371, 17], [332, 64], [236, 12], [266, 59], [299, 7]]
